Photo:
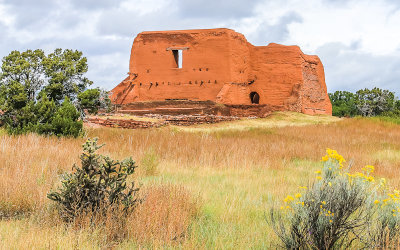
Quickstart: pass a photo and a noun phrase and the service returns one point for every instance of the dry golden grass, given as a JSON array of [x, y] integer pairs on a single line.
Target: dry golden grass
[[29, 166], [165, 215], [359, 140], [149, 163], [278, 119], [239, 169], [126, 117]]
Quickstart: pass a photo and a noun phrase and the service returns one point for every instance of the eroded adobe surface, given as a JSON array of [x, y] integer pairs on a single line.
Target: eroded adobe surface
[[199, 68]]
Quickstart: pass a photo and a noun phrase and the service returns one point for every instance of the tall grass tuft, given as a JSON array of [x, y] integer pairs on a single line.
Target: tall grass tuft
[[150, 162], [165, 215]]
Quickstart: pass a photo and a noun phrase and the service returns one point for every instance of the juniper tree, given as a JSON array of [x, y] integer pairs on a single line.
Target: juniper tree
[[34, 87]]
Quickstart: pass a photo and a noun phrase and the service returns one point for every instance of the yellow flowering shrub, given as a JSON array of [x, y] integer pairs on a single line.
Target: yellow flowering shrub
[[339, 209], [333, 156], [386, 226]]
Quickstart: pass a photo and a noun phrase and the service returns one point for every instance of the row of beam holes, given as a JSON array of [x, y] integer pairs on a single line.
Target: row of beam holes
[[190, 82], [200, 69]]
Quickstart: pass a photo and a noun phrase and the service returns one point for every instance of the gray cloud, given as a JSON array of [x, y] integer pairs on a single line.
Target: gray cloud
[[30, 13], [6, 45], [340, 3], [348, 69], [127, 23], [108, 41], [394, 2], [345, 3], [216, 9], [276, 33], [93, 46], [120, 22], [95, 4], [109, 70], [3, 29]]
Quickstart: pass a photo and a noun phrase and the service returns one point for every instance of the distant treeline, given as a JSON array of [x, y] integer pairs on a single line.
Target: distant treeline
[[365, 102]]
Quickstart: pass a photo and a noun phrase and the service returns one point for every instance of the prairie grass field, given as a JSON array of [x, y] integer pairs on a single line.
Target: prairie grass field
[[206, 186]]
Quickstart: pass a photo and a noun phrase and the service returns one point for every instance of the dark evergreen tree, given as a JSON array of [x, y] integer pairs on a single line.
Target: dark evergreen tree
[[65, 121], [90, 100], [343, 104], [38, 93], [45, 110]]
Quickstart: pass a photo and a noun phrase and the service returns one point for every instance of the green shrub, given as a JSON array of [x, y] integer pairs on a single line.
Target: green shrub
[[95, 187], [339, 210], [45, 117], [90, 100], [65, 121]]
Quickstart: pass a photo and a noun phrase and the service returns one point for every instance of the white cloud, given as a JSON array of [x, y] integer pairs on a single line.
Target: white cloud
[[5, 18], [358, 41], [372, 22], [376, 23], [144, 7]]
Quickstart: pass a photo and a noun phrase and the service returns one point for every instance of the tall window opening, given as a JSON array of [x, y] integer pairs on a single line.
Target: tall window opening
[[255, 98], [178, 57]]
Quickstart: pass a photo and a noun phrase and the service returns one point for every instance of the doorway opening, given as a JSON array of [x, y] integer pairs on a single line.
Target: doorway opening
[[255, 98]]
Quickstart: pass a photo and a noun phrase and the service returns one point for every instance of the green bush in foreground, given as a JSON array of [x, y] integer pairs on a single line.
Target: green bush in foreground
[[95, 187], [339, 210]]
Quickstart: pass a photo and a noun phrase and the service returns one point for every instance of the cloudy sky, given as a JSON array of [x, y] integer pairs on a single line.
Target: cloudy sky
[[357, 41]]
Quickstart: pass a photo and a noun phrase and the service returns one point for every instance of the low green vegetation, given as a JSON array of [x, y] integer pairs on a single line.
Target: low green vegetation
[[387, 119]]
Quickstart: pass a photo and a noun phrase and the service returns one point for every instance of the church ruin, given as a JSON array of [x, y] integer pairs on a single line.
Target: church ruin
[[218, 71]]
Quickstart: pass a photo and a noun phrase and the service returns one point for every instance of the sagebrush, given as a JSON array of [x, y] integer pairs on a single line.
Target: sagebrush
[[339, 210]]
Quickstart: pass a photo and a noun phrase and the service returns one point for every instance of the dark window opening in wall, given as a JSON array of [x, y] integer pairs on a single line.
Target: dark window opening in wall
[[178, 58], [255, 98]]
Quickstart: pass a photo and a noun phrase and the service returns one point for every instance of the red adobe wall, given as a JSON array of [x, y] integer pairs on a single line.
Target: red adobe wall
[[221, 66]]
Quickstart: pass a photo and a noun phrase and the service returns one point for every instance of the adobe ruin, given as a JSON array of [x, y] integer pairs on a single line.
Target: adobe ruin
[[195, 71]]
